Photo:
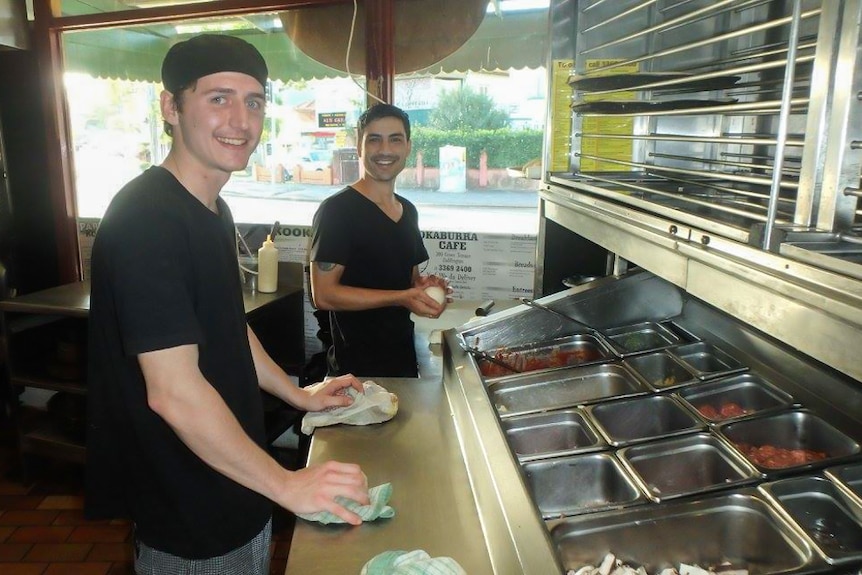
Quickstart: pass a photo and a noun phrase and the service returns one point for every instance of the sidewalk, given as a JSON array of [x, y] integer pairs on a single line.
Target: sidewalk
[[297, 192]]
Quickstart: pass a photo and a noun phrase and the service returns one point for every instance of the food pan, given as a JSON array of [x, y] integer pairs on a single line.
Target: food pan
[[578, 484], [661, 370], [627, 421], [563, 388], [707, 361], [640, 338], [848, 478], [832, 522], [741, 527], [687, 465], [788, 441], [734, 397], [549, 434], [579, 349]]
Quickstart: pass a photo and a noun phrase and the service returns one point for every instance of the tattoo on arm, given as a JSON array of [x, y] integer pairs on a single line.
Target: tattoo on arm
[[325, 266]]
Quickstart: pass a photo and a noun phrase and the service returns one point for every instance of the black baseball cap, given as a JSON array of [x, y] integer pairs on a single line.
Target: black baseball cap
[[208, 54]]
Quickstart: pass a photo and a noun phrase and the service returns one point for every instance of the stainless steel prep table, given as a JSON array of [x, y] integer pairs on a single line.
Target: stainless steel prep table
[[418, 451]]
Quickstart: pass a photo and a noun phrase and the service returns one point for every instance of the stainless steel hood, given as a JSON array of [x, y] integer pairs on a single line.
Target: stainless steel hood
[[14, 29]]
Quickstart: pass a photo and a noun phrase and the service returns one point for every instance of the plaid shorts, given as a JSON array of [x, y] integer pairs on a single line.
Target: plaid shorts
[[250, 559]]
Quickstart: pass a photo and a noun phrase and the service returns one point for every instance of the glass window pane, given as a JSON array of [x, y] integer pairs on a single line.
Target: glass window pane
[[308, 150]]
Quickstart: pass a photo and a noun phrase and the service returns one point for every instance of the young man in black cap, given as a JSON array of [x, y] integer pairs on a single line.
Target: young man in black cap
[[176, 438]]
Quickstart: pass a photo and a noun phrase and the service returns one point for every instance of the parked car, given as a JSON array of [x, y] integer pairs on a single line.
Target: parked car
[[316, 160]]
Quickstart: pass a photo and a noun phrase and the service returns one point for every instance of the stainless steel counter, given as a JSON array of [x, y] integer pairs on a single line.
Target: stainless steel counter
[[419, 453]]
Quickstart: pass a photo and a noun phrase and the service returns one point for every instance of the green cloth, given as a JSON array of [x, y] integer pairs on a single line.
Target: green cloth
[[411, 563], [378, 508]]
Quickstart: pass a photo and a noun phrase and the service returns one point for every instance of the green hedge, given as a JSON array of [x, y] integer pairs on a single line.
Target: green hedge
[[506, 148]]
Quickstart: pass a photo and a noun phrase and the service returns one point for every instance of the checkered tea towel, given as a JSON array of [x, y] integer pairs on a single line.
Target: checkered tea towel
[[377, 509], [411, 563]]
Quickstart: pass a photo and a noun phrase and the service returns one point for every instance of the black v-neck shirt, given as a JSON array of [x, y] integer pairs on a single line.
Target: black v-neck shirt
[[377, 253]]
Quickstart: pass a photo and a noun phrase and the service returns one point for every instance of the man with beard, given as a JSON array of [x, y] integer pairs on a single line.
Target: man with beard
[[365, 252]]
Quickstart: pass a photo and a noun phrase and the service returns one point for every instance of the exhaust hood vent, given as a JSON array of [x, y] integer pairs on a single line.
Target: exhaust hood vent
[[14, 28]]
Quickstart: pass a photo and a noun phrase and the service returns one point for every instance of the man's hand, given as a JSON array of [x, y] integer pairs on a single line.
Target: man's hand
[[330, 393], [314, 488], [417, 301]]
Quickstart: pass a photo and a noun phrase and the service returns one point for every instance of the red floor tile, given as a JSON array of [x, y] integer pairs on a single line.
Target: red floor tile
[[100, 534], [62, 502], [13, 552], [24, 568], [129, 569], [78, 569], [5, 532], [76, 517], [114, 552], [27, 517], [40, 534], [58, 552], [8, 502]]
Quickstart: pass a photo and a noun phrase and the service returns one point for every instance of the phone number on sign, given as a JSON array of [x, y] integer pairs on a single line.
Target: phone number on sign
[[451, 268]]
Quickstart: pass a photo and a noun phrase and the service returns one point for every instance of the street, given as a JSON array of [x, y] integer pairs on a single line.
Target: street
[[477, 210]]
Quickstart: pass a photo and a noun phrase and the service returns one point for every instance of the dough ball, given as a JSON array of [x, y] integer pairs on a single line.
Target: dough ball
[[437, 293]]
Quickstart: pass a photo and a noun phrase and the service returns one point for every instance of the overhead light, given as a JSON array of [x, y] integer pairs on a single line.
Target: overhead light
[[160, 3], [225, 25], [499, 6]]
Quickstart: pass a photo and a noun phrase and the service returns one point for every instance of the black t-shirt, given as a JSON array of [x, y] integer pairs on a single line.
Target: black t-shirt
[[377, 253], [164, 273]]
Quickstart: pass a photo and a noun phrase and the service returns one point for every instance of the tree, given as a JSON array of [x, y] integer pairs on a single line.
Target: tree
[[467, 109]]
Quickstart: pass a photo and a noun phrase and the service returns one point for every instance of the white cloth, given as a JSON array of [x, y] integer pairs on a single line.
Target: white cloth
[[375, 405]]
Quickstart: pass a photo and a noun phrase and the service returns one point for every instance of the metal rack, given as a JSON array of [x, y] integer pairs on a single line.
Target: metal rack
[[739, 117]]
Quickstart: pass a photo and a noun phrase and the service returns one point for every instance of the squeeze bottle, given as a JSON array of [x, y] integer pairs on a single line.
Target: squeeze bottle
[[267, 266]]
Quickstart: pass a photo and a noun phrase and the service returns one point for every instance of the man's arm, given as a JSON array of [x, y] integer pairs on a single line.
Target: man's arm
[[330, 294], [274, 380], [178, 392]]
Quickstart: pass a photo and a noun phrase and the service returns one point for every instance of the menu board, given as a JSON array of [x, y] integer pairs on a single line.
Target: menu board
[[611, 149], [561, 116]]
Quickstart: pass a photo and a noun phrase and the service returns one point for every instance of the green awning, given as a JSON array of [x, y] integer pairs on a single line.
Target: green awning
[[515, 40]]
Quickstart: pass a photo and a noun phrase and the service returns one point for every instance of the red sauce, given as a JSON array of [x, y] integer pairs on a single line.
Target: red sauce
[[524, 361], [772, 457], [726, 410]]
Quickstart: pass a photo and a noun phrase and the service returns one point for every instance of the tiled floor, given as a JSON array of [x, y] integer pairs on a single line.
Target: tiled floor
[[43, 530]]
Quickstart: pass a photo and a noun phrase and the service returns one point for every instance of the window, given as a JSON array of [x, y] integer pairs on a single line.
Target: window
[[487, 97]]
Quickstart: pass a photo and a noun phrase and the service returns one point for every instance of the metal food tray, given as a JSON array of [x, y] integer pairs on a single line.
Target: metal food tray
[[550, 355], [551, 434], [561, 388], [688, 465], [832, 522], [848, 478], [661, 370], [642, 337], [749, 391], [740, 526], [578, 484], [627, 421], [793, 429], [707, 361]]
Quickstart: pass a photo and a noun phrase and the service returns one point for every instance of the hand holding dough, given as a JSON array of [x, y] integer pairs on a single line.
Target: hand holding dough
[[436, 293]]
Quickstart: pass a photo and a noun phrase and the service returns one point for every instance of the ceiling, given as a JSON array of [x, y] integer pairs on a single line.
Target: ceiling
[[511, 40]]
